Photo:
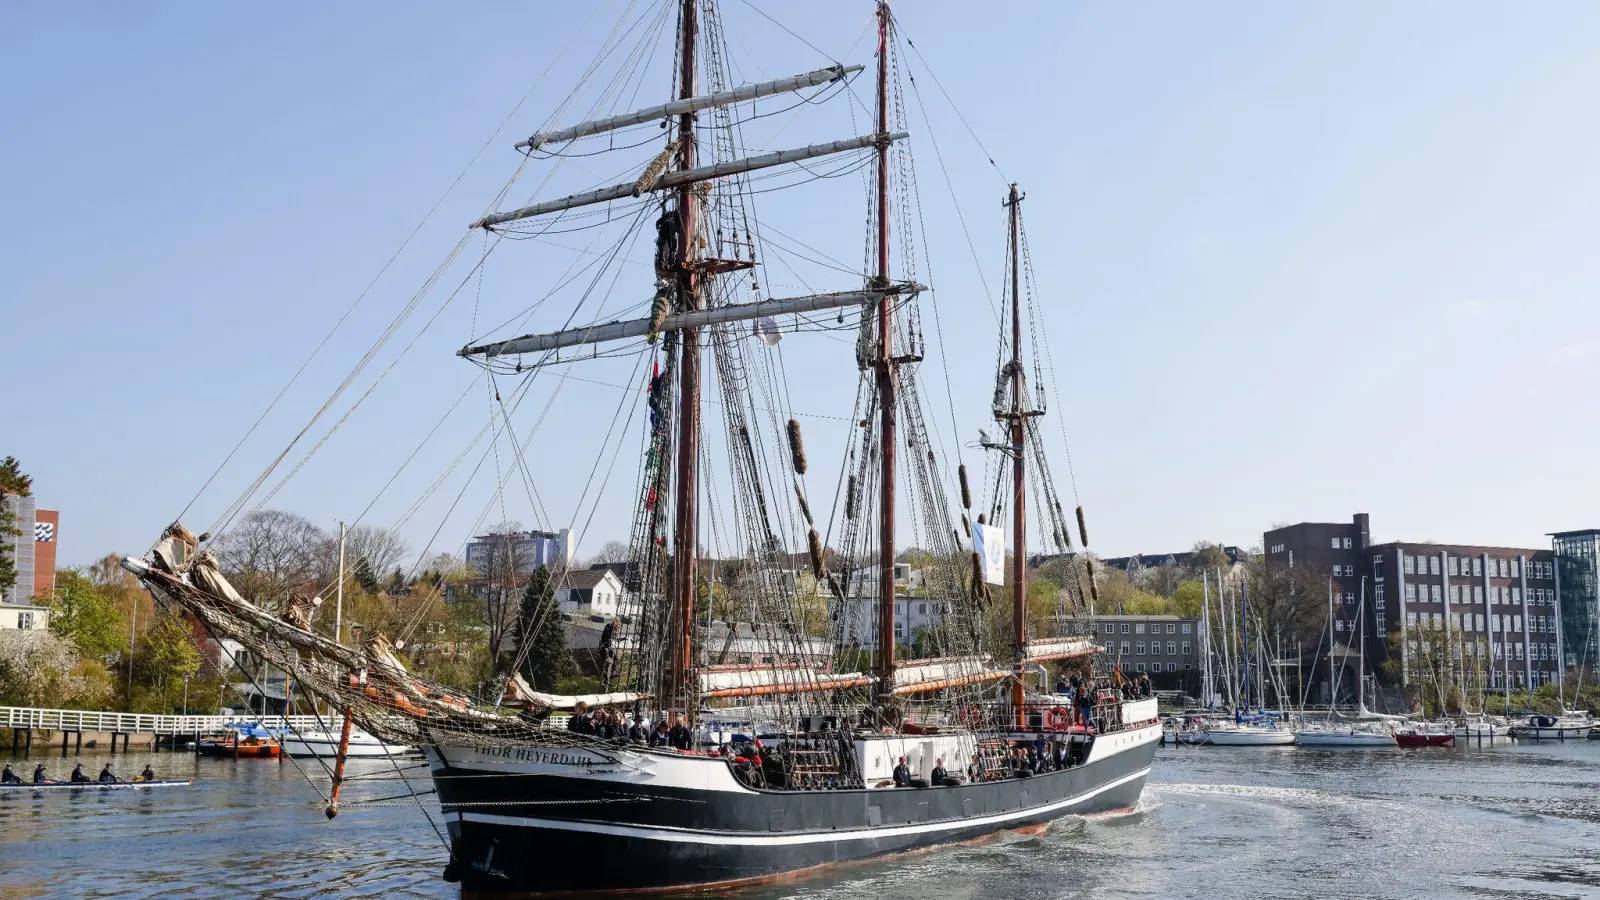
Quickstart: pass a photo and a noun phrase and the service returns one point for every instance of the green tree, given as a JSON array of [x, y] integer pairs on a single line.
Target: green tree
[[541, 635], [81, 613], [13, 483], [364, 576], [165, 657], [1187, 599]]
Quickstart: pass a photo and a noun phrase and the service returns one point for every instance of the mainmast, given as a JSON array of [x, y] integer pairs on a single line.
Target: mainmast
[[680, 693], [1019, 499], [886, 386]]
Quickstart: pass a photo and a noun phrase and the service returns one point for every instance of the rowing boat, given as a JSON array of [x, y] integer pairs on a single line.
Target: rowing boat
[[90, 785]]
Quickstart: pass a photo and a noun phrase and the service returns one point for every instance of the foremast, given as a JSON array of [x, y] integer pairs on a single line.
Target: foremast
[[681, 694]]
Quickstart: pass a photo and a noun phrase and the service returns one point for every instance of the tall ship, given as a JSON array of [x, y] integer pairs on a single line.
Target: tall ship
[[791, 758]]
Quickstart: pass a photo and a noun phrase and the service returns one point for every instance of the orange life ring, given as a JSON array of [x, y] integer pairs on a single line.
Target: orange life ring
[[970, 716], [1057, 719]]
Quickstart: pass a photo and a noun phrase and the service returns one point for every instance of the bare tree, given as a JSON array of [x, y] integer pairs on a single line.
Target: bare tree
[[612, 552], [271, 552], [382, 548], [503, 568]]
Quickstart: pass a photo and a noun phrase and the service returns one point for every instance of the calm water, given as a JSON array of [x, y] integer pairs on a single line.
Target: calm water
[[1505, 821]]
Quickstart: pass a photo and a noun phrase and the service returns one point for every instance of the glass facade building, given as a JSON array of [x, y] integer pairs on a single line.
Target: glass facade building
[[1578, 594]]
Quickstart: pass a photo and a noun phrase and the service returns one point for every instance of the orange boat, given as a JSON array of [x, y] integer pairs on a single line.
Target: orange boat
[[242, 742]]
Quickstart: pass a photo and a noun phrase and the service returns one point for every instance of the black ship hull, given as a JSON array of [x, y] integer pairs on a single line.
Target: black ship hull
[[621, 827]]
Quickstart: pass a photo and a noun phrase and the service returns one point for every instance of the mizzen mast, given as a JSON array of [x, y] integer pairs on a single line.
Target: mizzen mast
[[886, 387], [1017, 418]]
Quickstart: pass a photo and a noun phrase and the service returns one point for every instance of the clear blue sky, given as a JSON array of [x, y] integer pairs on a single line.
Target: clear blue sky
[[1299, 260]]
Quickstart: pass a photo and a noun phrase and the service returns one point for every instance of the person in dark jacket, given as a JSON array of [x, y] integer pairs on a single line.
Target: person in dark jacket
[[39, 775], [902, 774], [939, 774], [106, 775], [637, 733], [9, 777], [662, 736], [681, 737], [148, 774], [581, 722], [77, 775], [975, 770]]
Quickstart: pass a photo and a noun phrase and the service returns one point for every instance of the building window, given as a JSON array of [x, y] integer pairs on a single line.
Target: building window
[[1125, 648], [1138, 628], [1111, 629], [1438, 620], [1516, 624], [1516, 595], [1479, 619], [1335, 543], [1433, 565], [1186, 627], [1377, 596], [1380, 622], [25, 621], [1172, 667], [1411, 592], [922, 609], [1338, 624], [1124, 628], [1187, 648], [1477, 593], [1172, 648], [1515, 569], [1187, 667], [1494, 623], [1411, 619], [1410, 564], [1139, 648], [1454, 565], [1172, 629], [1477, 565], [1435, 591], [1139, 667]]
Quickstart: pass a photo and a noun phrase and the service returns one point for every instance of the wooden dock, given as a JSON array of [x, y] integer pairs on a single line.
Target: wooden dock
[[74, 723]]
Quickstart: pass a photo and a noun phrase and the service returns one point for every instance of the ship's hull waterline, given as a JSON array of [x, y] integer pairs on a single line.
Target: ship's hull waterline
[[670, 823]]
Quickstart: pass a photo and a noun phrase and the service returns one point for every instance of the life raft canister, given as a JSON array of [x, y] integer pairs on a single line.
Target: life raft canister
[[1057, 719]]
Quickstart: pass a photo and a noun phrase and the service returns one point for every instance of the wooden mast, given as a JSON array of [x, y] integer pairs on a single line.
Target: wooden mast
[[886, 388], [1019, 498], [679, 693]]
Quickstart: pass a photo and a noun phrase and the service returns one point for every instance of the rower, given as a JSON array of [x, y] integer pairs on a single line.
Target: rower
[[148, 774], [39, 776], [106, 777], [77, 775], [9, 777]]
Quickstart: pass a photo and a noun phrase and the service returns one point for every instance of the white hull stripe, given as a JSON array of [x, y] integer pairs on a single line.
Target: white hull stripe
[[686, 836]]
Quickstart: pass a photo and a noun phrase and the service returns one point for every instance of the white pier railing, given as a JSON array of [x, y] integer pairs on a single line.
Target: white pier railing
[[20, 717]]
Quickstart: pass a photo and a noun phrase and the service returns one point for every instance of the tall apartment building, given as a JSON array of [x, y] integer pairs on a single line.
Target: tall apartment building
[[525, 550], [1497, 607], [33, 549]]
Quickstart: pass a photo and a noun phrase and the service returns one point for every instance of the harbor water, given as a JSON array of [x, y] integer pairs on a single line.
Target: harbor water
[[1517, 820]]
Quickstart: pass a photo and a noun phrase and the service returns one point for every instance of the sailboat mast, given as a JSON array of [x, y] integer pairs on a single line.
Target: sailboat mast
[[1019, 498], [679, 694], [886, 386]]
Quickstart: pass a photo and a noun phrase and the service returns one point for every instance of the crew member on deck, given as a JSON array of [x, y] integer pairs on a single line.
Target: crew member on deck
[[148, 774], [939, 774], [9, 777], [106, 776], [662, 736], [681, 737], [902, 774], [77, 775], [975, 770], [39, 776], [637, 733]]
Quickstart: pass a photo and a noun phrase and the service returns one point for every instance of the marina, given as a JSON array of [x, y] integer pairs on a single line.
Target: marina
[[1206, 826]]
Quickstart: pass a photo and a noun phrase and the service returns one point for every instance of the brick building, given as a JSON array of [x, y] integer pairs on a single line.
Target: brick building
[[1496, 608], [33, 550]]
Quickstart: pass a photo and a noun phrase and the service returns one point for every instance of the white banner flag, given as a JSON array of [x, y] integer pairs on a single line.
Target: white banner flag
[[990, 542]]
